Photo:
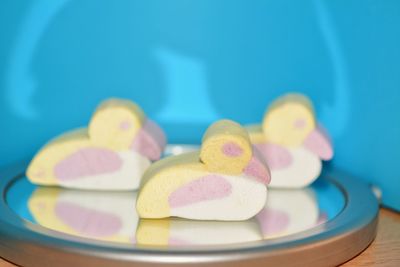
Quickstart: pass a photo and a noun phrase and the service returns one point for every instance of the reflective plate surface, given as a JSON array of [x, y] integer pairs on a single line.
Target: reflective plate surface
[[90, 224], [111, 216]]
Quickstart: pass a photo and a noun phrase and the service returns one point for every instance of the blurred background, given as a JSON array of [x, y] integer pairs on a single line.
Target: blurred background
[[188, 63]]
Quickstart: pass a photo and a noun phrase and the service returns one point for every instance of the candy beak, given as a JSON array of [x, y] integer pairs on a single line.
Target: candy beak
[[257, 168], [318, 142], [150, 141]]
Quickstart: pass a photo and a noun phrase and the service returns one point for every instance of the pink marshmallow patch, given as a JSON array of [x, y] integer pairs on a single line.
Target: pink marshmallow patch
[[208, 187], [150, 141], [319, 143], [299, 123], [125, 125], [87, 162], [231, 149], [276, 156], [272, 221], [257, 168], [86, 221]]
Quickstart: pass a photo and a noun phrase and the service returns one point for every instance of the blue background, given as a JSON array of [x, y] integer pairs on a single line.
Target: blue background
[[188, 63]]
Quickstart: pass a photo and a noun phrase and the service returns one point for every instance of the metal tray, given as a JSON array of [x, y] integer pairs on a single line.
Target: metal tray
[[325, 224]]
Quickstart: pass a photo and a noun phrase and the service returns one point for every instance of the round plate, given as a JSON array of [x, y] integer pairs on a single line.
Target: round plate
[[326, 223]]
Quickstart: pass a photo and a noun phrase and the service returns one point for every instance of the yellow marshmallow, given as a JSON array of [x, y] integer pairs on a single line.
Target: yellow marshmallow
[[218, 138], [41, 168], [289, 120], [163, 178], [256, 133], [109, 117], [169, 174], [113, 126]]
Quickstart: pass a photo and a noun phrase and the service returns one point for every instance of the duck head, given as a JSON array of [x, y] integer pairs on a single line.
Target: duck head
[[121, 124], [117, 125], [290, 122], [226, 148]]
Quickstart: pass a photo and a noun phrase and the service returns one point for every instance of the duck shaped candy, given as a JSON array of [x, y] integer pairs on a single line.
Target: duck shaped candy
[[111, 154], [291, 142], [226, 180]]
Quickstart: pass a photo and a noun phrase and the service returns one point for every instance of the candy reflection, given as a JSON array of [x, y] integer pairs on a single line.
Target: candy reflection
[[182, 232], [111, 216], [288, 211], [108, 216]]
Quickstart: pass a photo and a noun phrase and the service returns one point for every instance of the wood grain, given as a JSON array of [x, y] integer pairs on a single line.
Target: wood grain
[[384, 251]]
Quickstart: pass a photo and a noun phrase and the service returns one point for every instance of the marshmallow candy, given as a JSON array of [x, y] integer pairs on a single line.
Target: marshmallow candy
[[111, 154], [291, 142], [226, 180]]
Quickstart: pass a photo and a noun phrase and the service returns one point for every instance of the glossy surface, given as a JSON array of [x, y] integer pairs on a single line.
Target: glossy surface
[[111, 216], [84, 228]]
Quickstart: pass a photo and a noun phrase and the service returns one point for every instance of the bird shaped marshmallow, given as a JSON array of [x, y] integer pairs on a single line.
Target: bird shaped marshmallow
[[292, 142], [111, 154], [226, 180]]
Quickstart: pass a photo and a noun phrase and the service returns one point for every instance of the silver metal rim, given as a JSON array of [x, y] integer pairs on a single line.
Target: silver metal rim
[[332, 243]]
